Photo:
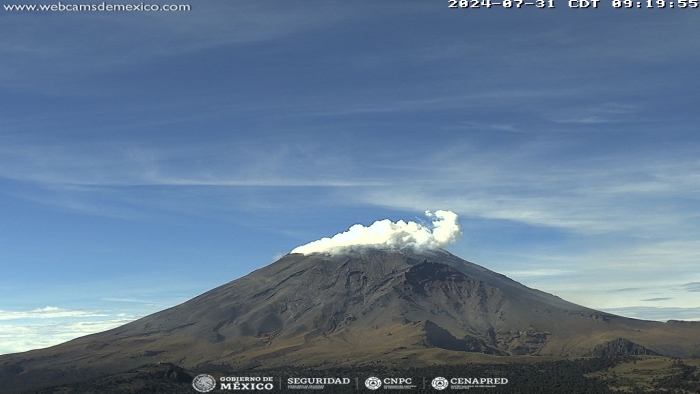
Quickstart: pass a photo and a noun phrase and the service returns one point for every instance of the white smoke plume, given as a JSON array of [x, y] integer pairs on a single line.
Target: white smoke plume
[[386, 234]]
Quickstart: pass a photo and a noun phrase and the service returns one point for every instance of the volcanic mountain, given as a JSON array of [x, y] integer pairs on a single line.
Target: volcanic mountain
[[353, 308]]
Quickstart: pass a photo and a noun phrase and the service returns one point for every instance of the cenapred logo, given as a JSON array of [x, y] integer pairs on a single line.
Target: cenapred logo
[[439, 383], [373, 383], [204, 383]]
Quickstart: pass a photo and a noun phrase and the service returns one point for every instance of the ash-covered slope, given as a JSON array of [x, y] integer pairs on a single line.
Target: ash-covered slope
[[368, 304]]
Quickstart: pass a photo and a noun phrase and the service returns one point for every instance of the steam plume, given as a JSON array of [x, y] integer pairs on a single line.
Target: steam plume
[[386, 234]]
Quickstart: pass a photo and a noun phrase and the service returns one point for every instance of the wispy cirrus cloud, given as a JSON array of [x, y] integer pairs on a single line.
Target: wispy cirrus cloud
[[591, 196], [597, 114], [124, 165], [601, 196], [106, 43]]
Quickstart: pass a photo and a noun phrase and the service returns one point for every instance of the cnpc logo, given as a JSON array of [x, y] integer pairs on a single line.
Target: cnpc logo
[[373, 383]]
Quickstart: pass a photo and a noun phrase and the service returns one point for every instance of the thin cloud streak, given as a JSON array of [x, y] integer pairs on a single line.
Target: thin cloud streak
[[137, 164], [693, 287], [538, 272], [48, 312]]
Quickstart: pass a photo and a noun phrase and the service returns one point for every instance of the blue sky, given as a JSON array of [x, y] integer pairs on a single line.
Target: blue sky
[[148, 157]]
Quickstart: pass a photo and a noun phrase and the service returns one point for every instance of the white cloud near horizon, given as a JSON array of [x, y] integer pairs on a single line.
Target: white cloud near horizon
[[22, 330], [621, 276], [16, 338], [657, 313]]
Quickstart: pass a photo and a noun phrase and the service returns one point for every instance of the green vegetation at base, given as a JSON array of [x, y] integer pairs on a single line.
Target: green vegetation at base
[[652, 374]]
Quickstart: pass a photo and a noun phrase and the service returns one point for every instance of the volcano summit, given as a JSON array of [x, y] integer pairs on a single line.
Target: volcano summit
[[352, 307]]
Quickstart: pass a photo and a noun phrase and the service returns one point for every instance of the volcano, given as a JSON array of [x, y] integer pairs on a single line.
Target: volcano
[[358, 307]]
